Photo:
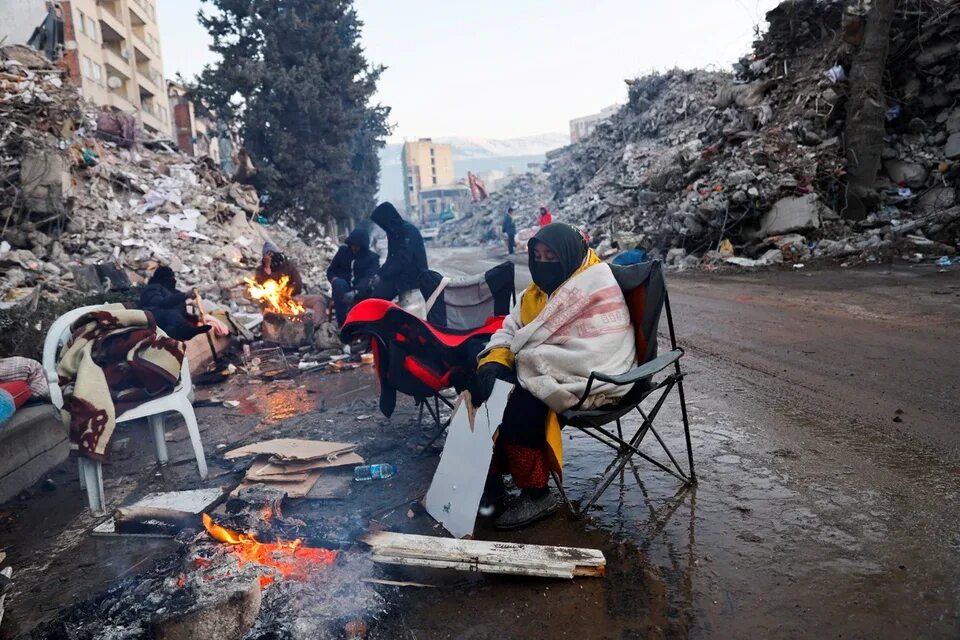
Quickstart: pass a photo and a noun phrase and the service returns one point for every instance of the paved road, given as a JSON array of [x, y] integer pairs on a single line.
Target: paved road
[[824, 407]]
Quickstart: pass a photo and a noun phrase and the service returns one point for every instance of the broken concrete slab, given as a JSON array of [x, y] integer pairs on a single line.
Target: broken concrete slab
[[911, 174], [795, 214], [936, 199], [952, 148]]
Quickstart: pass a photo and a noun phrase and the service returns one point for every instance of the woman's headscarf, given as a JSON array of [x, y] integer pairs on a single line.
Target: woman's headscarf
[[567, 244]]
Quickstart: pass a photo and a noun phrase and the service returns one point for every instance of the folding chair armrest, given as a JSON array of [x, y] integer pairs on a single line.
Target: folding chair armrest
[[631, 377], [645, 370]]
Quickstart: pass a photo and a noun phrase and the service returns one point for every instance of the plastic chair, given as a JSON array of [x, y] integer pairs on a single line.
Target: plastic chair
[[91, 472]]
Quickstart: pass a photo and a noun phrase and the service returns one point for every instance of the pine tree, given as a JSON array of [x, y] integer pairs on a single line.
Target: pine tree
[[293, 75]]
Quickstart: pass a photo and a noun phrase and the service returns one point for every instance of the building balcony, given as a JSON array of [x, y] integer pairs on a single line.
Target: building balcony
[[116, 63], [153, 122], [139, 15], [111, 26], [120, 102]]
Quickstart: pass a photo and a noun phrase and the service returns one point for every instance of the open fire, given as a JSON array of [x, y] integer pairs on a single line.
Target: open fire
[[275, 296], [291, 559]]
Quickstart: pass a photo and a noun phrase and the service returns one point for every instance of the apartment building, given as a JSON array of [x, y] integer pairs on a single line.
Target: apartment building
[[426, 164], [111, 49], [580, 128]]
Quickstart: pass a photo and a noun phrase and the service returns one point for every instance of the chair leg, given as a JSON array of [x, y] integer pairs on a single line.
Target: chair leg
[[92, 472], [191, 419], [686, 430], [563, 496], [612, 471], [159, 441], [83, 480]]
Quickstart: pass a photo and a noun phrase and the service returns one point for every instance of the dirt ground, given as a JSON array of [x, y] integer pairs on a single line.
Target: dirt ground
[[823, 403]]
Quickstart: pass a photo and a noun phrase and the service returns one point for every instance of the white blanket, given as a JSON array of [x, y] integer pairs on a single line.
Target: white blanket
[[584, 327]]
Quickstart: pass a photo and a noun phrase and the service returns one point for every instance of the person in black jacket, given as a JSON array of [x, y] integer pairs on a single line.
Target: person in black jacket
[[169, 306], [274, 265], [351, 271], [406, 255], [509, 229]]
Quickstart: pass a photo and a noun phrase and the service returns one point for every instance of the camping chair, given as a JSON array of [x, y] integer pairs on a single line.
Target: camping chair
[[646, 295], [424, 358], [178, 400]]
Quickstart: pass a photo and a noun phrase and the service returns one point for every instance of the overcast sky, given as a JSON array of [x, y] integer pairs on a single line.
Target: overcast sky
[[510, 68]]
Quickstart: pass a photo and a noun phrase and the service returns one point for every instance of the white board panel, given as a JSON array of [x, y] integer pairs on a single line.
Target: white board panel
[[457, 486]]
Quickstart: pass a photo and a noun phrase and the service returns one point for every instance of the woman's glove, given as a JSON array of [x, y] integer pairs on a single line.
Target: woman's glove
[[481, 386]]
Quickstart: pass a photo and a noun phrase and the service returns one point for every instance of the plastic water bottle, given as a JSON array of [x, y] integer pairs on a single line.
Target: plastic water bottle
[[374, 472]]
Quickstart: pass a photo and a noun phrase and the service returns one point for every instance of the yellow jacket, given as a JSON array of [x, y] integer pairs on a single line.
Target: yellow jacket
[[532, 302]]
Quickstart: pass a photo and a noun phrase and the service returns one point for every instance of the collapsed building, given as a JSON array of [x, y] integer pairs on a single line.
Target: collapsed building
[[752, 163], [86, 202]]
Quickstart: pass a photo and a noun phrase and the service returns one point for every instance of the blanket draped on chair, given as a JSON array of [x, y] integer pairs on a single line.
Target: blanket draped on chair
[[115, 360]]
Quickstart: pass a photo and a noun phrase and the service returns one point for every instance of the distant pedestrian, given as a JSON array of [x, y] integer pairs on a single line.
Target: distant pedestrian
[[545, 217], [509, 229]]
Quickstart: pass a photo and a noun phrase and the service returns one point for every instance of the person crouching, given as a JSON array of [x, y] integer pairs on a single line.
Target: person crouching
[[570, 321]]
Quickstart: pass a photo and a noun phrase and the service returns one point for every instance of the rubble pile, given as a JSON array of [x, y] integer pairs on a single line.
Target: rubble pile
[[749, 166], [73, 195], [526, 192]]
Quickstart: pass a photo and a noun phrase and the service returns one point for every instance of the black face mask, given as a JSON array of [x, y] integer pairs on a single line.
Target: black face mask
[[547, 275]]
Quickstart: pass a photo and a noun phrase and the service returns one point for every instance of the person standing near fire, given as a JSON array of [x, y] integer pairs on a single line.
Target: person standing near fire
[[274, 265], [351, 271], [406, 254]]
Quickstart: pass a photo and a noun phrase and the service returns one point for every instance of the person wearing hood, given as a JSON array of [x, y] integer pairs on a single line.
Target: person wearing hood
[[406, 255], [169, 306], [274, 265], [570, 321], [351, 271], [509, 229], [545, 217]]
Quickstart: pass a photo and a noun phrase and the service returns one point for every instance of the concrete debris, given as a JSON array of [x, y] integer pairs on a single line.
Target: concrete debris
[[697, 157], [525, 192], [72, 196]]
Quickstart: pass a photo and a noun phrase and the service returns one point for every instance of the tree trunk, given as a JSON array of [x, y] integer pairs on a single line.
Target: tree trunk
[[866, 110]]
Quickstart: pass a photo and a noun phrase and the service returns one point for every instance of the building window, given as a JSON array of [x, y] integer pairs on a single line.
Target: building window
[[432, 152], [91, 29], [434, 179], [97, 73], [81, 22], [86, 67]]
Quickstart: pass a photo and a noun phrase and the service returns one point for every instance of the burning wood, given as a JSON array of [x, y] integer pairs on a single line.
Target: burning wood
[[291, 559], [275, 296]]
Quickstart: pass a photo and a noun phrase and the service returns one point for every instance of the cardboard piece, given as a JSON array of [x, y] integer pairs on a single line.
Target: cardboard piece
[[287, 468], [454, 494], [293, 449]]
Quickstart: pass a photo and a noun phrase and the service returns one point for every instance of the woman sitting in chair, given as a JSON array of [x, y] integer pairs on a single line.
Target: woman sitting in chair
[[571, 320]]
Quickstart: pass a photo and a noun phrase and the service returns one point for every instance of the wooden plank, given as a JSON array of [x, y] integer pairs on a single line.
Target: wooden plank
[[457, 485], [487, 557], [294, 449]]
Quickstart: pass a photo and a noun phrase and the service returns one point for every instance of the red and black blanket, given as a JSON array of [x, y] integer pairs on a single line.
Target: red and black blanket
[[115, 359]]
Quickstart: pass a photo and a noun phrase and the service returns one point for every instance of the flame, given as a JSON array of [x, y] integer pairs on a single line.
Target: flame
[[275, 295], [291, 559]]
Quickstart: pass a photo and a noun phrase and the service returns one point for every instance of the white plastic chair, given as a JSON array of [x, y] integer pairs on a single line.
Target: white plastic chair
[[91, 472]]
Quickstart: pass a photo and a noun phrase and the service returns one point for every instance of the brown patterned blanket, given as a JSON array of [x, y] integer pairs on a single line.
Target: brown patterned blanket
[[115, 360]]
